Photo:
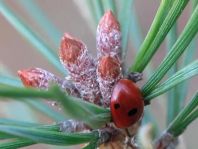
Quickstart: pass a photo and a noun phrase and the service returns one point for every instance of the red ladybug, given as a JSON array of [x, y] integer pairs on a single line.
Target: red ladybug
[[127, 103]]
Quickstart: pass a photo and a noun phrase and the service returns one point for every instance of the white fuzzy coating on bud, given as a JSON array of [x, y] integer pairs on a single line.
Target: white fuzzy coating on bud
[[37, 77], [108, 36], [40, 78], [108, 73], [108, 39], [81, 67]]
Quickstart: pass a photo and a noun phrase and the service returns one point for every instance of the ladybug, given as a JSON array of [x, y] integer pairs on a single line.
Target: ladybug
[[127, 104]]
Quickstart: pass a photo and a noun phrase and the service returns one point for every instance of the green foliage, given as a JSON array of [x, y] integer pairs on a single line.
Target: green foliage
[[159, 29], [179, 47], [48, 137], [91, 114], [185, 117], [173, 106], [97, 5], [135, 29], [125, 21], [188, 57], [16, 143], [35, 104], [35, 12], [182, 75], [31, 133], [109, 5]]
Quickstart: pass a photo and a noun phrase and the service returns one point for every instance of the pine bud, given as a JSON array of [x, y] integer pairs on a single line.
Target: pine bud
[[108, 36], [108, 72], [40, 78], [81, 66]]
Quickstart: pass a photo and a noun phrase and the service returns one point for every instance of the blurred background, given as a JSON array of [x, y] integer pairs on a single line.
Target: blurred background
[[74, 18]]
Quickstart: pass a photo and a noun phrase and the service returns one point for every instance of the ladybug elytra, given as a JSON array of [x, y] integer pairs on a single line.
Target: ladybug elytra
[[127, 103]]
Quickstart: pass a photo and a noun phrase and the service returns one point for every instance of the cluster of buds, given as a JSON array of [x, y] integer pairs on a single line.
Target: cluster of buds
[[108, 50], [89, 79]]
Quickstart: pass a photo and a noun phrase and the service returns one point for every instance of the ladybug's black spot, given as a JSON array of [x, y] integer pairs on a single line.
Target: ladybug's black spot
[[132, 112], [117, 106]]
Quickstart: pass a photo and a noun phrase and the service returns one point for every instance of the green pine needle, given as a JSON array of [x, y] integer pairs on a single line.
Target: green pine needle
[[90, 5], [135, 30], [179, 47], [16, 143], [192, 116], [75, 108], [98, 9], [184, 118], [48, 137], [9, 80], [5, 121], [109, 5], [188, 57], [37, 15], [125, 21], [45, 109], [159, 29], [182, 75], [158, 20], [10, 122], [173, 106], [100, 118], [4, 136], [37, 133], [35, 104], [25, 31]]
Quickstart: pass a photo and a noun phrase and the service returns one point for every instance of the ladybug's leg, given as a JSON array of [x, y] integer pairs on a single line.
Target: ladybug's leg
[[135, 76]]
